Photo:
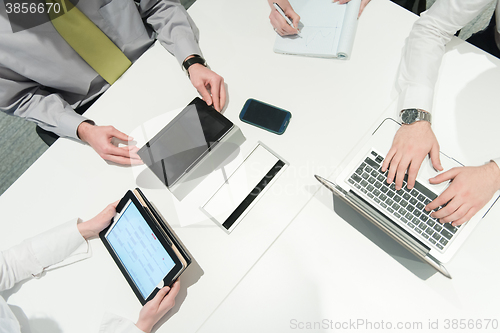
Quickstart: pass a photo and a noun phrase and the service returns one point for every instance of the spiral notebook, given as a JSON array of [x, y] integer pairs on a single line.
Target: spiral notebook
[[327, 29]]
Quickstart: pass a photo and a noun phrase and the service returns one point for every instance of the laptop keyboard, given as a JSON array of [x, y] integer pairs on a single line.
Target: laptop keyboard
[[406, 206]]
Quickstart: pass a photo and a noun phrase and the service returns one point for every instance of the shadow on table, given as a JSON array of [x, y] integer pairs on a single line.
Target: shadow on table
[[373, 233], [382, 240], [34, 325], [190, 276], [154, 177]]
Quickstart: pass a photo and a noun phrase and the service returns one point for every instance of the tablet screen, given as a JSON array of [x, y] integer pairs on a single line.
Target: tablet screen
[[184, 141], [139, 250]]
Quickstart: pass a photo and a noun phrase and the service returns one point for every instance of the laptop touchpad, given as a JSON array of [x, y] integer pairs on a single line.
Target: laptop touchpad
[[427, 171]]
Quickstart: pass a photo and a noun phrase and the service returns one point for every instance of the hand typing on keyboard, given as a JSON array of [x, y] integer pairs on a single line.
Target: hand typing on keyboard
[[471, 188], [407, 206], [410, 146]]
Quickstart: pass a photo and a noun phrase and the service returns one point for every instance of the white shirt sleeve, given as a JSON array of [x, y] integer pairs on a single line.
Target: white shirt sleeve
[[112, 323], [497, 161], [59, 246], [54, 248], [425, 47]]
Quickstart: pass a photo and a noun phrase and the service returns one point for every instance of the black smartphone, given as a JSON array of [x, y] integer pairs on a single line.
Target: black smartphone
[[265, 116]]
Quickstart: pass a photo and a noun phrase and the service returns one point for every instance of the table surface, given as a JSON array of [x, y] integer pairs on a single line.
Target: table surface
[[297, 255]]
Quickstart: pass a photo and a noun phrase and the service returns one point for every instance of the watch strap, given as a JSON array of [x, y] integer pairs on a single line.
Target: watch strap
[[196, 59], [421, 115], [424, 115]]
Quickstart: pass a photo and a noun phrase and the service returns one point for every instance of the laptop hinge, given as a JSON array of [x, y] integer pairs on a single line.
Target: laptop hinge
[[398, 234], [394, 231]]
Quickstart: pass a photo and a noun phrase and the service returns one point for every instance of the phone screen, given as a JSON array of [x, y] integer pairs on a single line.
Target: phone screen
[[264, 115]]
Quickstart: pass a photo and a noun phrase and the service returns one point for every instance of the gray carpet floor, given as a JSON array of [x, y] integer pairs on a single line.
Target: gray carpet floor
[[20, 146]]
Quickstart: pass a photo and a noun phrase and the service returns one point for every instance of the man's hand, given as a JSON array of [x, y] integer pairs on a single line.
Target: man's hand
[[94, 226], [209, 84], [410, 146], [157, 307], [278, 22], [471, 188], [99, 138]]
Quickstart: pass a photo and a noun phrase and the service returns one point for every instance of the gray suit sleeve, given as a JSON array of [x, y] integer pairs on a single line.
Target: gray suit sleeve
[[27, 99], [175, 28]]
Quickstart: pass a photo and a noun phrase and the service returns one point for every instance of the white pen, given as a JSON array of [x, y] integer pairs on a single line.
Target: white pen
[[282, 13]]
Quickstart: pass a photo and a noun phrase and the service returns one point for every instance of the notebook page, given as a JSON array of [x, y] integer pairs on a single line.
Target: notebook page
[[322, 24]]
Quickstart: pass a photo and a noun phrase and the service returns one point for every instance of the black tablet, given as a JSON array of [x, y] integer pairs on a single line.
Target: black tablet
[[184, 141], [141, 249]]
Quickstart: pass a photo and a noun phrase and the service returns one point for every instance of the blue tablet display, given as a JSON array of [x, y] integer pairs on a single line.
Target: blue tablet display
[[138, 248]]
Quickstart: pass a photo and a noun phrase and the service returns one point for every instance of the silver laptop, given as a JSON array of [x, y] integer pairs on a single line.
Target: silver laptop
[[401, 214]]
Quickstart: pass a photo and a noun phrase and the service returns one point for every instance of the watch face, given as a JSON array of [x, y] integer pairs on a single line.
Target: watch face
[[409, 116]]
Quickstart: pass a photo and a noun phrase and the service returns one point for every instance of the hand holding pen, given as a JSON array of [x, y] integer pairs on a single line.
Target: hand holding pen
[[283, 18]]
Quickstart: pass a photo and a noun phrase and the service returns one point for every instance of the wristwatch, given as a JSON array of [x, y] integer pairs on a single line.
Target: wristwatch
[[410, 116], [196, 59]]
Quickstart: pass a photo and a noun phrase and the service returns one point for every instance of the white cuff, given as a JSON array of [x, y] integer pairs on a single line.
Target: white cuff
[[60, 246], [497, 161], [416, 97]]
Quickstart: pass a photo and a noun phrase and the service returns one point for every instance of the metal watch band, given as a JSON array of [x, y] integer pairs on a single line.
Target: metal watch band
[[410, 116], [425, 116]]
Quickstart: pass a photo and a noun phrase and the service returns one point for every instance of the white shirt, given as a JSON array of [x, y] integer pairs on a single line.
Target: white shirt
[[54, 248], [425, 47]]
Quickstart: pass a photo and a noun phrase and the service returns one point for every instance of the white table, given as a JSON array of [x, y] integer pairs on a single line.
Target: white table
[[333, 103], [333, 268]]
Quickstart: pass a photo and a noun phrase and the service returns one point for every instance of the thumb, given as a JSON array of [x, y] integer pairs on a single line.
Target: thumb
[[119, 135], [205, 95], [363, 5], [448, 175], [436, 161], [110, 210], [160, 296]]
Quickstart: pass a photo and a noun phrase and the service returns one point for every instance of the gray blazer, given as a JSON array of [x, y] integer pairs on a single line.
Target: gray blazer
[[43, 79]]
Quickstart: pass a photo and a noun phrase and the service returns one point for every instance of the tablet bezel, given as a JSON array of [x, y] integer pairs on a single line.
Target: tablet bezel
[[198, 103], [168, 279]]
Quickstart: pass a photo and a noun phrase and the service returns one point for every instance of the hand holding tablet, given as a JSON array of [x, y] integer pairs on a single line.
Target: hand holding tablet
[[144, 248], [155, 309]]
